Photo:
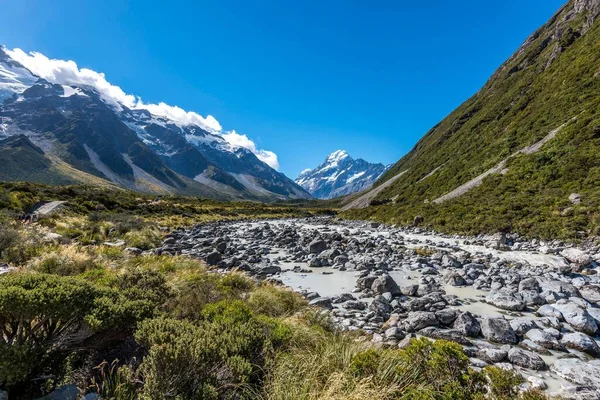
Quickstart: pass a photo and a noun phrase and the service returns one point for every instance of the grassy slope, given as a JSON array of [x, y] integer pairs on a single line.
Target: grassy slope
[[518, 106]]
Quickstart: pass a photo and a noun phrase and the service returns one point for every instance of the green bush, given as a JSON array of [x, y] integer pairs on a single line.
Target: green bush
[[275, 302], [43, 317], [221, 357], [504, 384]]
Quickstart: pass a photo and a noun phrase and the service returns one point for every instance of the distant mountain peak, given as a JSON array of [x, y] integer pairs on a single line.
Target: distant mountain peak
[[339, 175], [337, 156]]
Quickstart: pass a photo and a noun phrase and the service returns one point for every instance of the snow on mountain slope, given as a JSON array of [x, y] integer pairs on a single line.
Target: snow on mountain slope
[[14, 78], [339, 175], [66, 109]]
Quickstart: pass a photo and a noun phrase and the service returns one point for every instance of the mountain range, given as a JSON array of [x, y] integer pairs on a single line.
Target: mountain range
[[73, 134], [340, 175], [516, 154]]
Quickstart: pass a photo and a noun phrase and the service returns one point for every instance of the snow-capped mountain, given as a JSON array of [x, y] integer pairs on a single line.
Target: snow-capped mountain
[[80, 128], [340, 175]]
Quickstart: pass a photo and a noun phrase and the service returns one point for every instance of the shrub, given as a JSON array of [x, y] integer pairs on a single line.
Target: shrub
[[504, 384], [69, 260], [275, 302], [43, 317], [145, 239], [365, 363], [202, 288], [115, 381], [221, 357], [8, 237]]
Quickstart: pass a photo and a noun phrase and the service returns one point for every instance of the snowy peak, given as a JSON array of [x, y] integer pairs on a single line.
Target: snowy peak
[[339, 175], [336, 156]]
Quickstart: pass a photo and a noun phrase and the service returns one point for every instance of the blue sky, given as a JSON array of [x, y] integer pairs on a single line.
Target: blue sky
[[301, 78]]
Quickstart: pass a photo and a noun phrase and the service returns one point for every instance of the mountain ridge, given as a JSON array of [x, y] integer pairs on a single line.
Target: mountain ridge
[[132, 148], [552, 81]]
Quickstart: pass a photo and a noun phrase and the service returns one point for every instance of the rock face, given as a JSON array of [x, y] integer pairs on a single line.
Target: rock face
[[339, 175]]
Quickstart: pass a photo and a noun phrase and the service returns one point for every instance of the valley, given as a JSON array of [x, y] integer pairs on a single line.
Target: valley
[[146, 252]]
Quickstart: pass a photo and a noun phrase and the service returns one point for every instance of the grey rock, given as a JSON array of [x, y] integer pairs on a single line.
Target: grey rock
[[451, 335], [467, 324], [317, 246], [529, 284], [498, 330], [446, 316], [577, 317], [521, 325], [418, 320], [385, 283], [213, 258], [549, 311], [394, 333], [323, 302], [409, 290], [354, 305], [526, 359], [590, 293], [584, 373], [577, 257], [544, 339], [492, 355], [505, 301], [581, 342]]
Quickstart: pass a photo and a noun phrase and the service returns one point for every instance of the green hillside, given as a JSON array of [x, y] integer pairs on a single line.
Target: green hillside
[[552, 81]]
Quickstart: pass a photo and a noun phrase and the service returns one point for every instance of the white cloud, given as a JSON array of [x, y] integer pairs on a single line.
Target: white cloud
[[236, 139], [68, 73]]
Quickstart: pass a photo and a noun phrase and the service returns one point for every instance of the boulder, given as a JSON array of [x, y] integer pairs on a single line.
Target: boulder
[[577, 317], [529, 284], [467, 324], [577, 257], [581, 342], [213, 258], [549, 311], [492, 355], [522, 325], [385, 284], [591, 293], [505, 301], [418, 320], [544, 339], [380, 306], [451, 335], [498, 330], [354, 305], [526, 359], [409, 290], [317, 246], [394, 333], [579, 372], [575, 198], [323, 302]]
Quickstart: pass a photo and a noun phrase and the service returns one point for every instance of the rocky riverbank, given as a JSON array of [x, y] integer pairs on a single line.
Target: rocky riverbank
[[525, 305]]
